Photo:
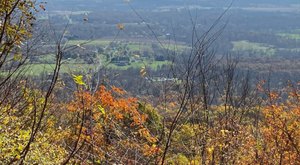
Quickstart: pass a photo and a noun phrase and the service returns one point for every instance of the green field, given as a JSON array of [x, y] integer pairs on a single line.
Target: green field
[[46, 63], [89, 42], [153, 65], [293, 36], [257, 48], [132, 45], [37, 69]]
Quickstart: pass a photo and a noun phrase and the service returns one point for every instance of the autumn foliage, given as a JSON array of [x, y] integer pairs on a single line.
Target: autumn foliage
[[108, 125], [280, 142]]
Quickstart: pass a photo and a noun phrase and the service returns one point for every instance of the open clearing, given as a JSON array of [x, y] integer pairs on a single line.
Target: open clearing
[[257, 48]]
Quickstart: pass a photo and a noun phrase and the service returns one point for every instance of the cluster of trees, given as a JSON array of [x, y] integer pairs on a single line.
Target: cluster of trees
[[211, 114]]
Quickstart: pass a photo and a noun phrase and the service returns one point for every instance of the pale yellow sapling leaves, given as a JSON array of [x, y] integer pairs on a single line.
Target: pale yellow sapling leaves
[[101, 109], [143, 71], [78, 79]]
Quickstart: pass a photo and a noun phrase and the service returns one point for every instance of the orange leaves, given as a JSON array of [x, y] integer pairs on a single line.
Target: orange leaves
[[280, 131], [77, 105], [150, 150], [138, 120], [111, 104], [273, 95], [120, 107], [145, 133], [118, 90], [111, 121], [105, 97]]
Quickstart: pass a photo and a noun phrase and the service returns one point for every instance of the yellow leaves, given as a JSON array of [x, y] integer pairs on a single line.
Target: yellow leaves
[[18, 157], [101, 109], [224, 132], [120, 26], [150, 150], [143, 71], [258, 145], [196, 161], [24, 134], [221, 146], [17, 57], [6, 120], [17, 29], [179, 159], [210, 150], [15, 136], [78, 79]]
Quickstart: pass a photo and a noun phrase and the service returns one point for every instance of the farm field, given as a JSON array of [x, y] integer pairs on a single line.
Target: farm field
[[256, 48], [293, 36], [38, 69], [45, 63]]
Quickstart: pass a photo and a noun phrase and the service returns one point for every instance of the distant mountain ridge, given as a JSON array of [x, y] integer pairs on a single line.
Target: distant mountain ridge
[[150, 4]]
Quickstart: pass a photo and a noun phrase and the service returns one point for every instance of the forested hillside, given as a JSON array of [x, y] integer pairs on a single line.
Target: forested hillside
[[158, 84]]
